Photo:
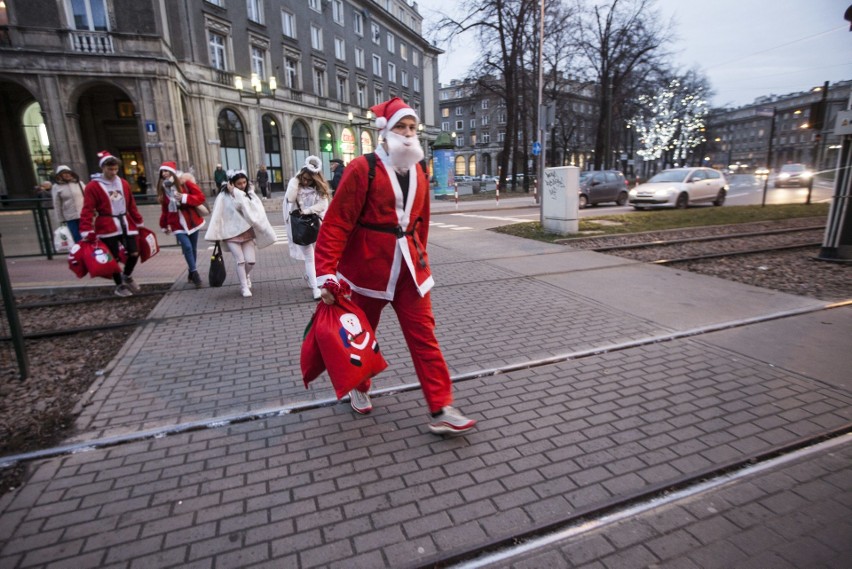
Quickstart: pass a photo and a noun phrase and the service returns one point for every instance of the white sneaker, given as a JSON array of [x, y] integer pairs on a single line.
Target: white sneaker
[[360, 402], [248, 281], [451, 422], [123, 290], [245, 292]]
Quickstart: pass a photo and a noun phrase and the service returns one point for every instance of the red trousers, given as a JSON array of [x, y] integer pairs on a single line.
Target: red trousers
[[414, 313]]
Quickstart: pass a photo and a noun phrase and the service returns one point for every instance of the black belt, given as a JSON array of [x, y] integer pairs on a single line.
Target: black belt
[[398, 232]]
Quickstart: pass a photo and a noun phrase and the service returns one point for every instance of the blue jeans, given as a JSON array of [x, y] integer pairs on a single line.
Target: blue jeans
[[189, 246], [74, 228]]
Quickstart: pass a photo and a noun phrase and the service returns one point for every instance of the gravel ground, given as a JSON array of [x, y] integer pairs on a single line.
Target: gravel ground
[[38, 413]]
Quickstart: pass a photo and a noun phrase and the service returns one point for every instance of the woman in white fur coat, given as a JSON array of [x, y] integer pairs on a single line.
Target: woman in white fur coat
[[308, 191], [239, 219]]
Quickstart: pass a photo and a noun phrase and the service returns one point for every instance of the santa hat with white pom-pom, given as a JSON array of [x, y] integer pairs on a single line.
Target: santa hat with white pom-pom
[[389, 113]]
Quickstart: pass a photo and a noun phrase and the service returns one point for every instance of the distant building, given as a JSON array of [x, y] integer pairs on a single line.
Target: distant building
[[738, 138], [153, 80]]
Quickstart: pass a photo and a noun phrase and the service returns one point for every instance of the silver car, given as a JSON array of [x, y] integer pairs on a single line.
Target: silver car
[[680, 188]]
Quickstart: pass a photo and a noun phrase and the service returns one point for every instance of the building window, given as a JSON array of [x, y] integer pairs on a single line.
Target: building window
[[376, 33], [460, 140], [391, 72], [361, 93], [343, 89], [404, 78], [291, 73], [314, 5], [459, 111], [391, 42], [472, 124], [445, 126], [416, 83], [359, 58], [484, 120], [288, 24], [403, 51], [255, 10], [484, 104], [358, 23], [340, 49], [501, 118], [316, 38], [415, 58], [219, 3], [319, 82], [501, 136], [89, 15], [217, 52], [258, 58], [459, 93], [337, 11], [378, 95], [377, 65], [459, 125], [445, 112], [232, 141], [486, 137]]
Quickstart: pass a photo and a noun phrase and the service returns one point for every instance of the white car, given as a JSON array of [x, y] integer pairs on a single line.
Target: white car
[[680, 187]]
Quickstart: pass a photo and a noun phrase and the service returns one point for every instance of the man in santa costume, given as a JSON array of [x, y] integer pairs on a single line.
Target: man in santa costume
[[117, 219], [374, 237]]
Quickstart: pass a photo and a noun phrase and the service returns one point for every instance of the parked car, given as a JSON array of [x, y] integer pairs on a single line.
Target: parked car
[[796, 175], [680, 187], [599, 187]]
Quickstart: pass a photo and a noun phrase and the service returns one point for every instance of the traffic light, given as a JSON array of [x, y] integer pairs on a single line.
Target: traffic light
[[817, 115]]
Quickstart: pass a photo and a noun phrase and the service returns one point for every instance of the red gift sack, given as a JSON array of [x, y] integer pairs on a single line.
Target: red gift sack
[[339, 339], [75, 260], [147, 244], [98, 260]]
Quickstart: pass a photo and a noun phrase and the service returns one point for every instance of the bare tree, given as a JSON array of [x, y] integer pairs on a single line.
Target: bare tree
[[616, 40]]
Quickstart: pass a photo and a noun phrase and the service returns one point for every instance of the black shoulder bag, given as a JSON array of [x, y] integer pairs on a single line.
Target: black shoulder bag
[[217, 274], [305, 228]]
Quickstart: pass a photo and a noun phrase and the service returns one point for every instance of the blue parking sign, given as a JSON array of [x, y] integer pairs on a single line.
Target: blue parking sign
[[150, 126], [536, 148]]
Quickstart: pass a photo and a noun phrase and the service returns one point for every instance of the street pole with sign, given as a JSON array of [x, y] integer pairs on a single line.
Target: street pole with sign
[[770, 113]]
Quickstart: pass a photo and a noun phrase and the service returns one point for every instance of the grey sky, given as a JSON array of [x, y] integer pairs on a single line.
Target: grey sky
[[747, 48]]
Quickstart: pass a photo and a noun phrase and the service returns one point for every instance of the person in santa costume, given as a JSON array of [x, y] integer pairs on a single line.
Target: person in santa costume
[[239, 219], [308, 192], [179, 197], [374, 237], [117, 219]]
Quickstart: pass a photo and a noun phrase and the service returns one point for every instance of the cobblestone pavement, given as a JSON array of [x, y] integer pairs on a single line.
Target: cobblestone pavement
[[633, 395]]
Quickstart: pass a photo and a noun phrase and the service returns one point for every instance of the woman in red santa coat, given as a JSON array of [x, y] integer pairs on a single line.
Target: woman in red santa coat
[[117, 219], [374, 237], [179, 197]]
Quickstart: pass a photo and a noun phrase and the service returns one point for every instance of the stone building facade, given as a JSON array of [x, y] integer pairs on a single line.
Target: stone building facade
[[156, 80], [738, 138]]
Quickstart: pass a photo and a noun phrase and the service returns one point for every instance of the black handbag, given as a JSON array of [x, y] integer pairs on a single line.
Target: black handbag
[[217, 274], [305, 228]]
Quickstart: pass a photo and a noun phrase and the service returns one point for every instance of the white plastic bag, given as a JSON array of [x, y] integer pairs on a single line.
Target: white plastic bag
[[62, 240]]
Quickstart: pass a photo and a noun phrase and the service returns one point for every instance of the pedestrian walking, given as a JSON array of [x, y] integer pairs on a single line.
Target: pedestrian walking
[[374, 237], [307, 192], [219, 177], [68, 199], [337, 169], [239, 219], [110, 214], [179, 197], [262, 180]]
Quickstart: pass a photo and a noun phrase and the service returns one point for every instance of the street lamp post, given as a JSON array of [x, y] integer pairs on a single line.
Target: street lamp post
[[257, 93]]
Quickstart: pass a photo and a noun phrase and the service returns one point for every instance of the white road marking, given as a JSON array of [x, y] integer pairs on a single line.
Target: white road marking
[[494, 217]]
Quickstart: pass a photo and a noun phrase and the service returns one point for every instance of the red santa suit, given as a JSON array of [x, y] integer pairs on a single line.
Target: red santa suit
[[111, 212], [376, 242], [186, 219]]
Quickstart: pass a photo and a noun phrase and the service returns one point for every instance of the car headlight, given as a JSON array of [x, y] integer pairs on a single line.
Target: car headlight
[[632, 193], [783, 176], [806, 175]]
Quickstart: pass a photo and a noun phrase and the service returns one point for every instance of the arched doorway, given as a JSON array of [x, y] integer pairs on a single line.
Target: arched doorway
[[366, 143], [272, 155], [108, 121], [459, 166], [326, 138], [38, 143], [301, 144], [347, 145], [472, 166], [17, 169], [486, 165], [232, 141]]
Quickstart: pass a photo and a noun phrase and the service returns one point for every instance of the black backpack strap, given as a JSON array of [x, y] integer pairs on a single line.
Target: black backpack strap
[[371, 161]]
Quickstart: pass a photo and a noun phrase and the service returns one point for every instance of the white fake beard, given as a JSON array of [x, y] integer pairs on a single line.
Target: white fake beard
[[404, 152]]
